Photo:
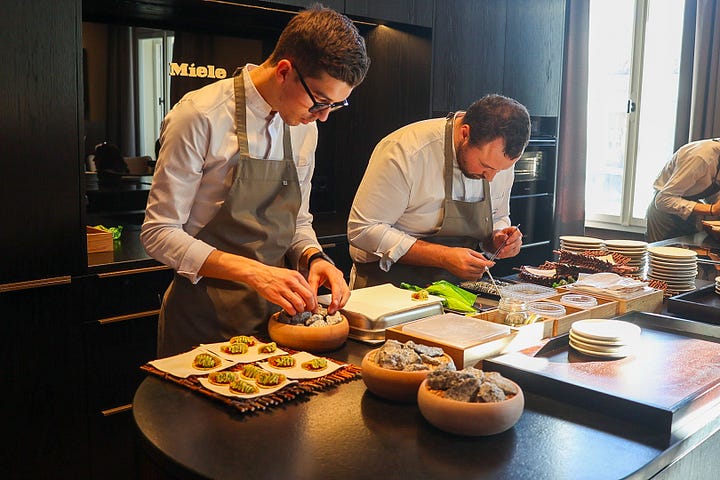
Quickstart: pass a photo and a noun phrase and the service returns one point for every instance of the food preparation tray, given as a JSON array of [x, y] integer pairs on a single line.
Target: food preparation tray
[[672, 376], [370, 311], [465, 339], [702, 305]]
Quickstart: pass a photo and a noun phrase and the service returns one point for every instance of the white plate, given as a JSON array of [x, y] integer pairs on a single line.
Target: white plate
[[671, 264], [598, 343], [181, 365], [252, 355], [297, 372], [629, 244], [225, 389], [673, 274], [593, 353], [672, 252], [624, 349], [607, 330], [582, 240]]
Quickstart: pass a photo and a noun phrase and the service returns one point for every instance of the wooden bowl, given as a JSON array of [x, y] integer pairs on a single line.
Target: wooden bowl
[[469, 419], [309, 339], [395, 385]]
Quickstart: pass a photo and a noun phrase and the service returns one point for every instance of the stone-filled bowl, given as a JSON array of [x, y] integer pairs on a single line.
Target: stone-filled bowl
[[395, 385], [309, 339], [466, 418]]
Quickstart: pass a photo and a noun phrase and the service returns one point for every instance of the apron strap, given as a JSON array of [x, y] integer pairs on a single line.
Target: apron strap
[[241, 116], [448, 166]]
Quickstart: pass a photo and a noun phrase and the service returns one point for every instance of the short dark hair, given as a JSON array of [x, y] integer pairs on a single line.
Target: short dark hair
[[496, 116], [320, 39]]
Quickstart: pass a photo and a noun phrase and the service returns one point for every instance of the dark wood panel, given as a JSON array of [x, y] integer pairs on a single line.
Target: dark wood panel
[[468, 52], [533, 54], [411, 12], [395, 92], [43, 397], [40, 191], [337, 5], [115, 351], [123, 294]]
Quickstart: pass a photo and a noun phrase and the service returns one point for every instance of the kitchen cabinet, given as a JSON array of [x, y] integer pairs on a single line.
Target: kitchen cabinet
[[409, 12], [43, 412], [338, 5], [512, 47], [40, 191], [120, 312]]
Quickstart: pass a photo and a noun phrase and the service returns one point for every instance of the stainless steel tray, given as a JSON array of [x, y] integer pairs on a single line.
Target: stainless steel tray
[[372, 331], [373, 309]]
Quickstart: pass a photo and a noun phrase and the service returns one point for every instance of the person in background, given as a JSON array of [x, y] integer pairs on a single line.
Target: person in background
[[686, 191], [229, 205], [435, 194]]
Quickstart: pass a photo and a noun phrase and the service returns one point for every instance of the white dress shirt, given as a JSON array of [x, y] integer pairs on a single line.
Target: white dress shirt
[[400, 198], [692, 169], [196, 166]]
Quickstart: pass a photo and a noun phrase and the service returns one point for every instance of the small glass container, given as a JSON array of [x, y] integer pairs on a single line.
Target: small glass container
[[579, 300], [514, 310], [547, 309]]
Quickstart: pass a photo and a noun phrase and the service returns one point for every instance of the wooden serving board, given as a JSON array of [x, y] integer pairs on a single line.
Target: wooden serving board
[[673, 374]]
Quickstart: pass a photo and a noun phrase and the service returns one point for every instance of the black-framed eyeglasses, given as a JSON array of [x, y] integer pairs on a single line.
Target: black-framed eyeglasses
[[318, 106]]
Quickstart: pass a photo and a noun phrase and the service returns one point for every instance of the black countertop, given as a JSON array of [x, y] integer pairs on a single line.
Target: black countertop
[[347, 432], [128, 252]]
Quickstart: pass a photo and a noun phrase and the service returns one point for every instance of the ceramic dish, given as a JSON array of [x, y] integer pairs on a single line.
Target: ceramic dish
[[395, 385], [471, 419]]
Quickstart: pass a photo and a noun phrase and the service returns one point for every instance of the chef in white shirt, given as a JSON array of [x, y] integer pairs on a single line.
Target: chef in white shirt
[[436, 194], [686, 191], [229, 204]]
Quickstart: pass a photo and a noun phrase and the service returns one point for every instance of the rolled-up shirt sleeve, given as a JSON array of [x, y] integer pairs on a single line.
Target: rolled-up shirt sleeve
[[175, 184], [381, 199], [305, 236]]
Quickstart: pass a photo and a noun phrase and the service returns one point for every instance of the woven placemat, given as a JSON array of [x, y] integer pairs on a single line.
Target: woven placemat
[[304, 387]]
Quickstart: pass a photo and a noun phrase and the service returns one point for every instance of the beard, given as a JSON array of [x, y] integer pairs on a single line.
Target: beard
[[462, 163]]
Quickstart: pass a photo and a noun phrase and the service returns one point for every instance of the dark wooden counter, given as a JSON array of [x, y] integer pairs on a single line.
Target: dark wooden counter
[[348, 433]]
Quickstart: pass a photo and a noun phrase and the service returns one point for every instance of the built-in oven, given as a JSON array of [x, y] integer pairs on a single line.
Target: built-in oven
[[532, 199]]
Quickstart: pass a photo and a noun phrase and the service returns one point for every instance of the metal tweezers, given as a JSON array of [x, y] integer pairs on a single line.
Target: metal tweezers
[[494, 256]]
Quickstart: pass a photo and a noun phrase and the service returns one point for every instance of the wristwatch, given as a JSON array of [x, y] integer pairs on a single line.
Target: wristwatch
[[317, 255]]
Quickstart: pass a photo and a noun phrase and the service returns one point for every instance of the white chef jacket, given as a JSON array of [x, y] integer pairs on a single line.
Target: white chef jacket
[[196, 166], [692, 169], [401, 195]]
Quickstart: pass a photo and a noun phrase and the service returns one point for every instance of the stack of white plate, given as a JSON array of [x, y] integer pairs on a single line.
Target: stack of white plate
[[580, 244], [604, 338], [635, 249], [717, 285], [675, 266]]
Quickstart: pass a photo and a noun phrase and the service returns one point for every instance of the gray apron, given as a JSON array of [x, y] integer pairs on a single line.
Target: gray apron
[[464, 224], [257, 220], [663, 225]]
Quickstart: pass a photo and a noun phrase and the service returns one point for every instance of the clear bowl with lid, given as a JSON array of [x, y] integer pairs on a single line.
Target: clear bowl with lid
[[546, 309], [578, 300], [527, 292]]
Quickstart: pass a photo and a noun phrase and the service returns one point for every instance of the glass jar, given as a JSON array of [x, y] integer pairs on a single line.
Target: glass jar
[[514, 310]]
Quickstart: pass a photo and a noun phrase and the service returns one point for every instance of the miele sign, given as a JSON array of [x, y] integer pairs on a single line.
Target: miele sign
[[201, 71]]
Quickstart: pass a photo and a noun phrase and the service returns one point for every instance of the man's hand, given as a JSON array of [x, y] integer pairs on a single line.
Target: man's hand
[[514, 242], [325, 273], [281, 286]]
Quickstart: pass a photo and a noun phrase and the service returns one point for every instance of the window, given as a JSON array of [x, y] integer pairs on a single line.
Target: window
[[633, 73], [154, 54]]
